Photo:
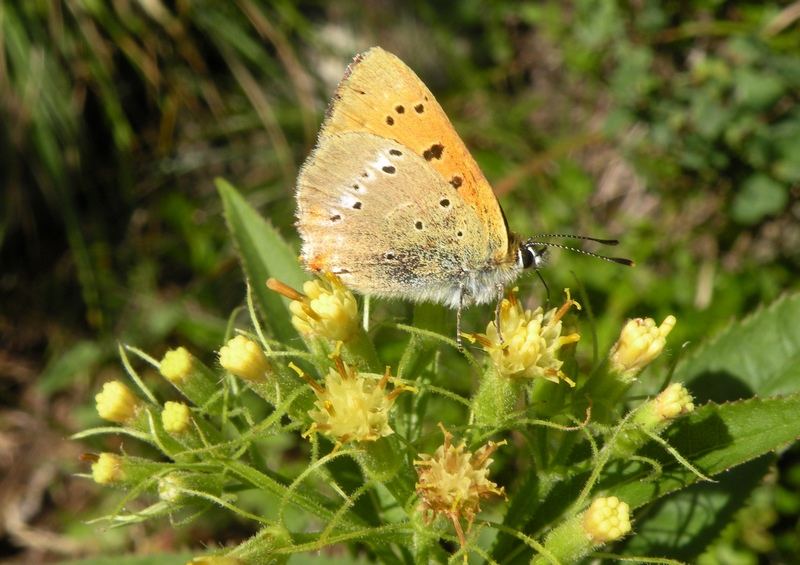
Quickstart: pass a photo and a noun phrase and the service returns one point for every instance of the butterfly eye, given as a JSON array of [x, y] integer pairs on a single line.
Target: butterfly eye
[[528, 257]]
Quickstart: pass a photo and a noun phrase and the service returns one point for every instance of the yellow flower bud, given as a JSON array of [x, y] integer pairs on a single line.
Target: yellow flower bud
[[117, 403], [107, 470], [674, 401], [245, 359], [640, 342], [176, 366], [176, 417], [607, 519]]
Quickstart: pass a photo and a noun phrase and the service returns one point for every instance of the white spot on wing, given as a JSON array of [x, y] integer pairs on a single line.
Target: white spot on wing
[[347, 200], [381, 162]]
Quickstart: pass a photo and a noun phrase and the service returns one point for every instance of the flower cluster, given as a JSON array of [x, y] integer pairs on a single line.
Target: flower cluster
[[352, 406], [327, 308], [453, 481], [208, 439], [530, 341]]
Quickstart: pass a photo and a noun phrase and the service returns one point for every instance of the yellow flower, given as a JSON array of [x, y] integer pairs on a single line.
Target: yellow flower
[[674, 401], [453, 481], [531, 341], [107, 470], [116, 403], [607, 519], [176, 417], [193, 379], [176, 366], [245, 359], [639, 343], [327, 308], [351, 406]]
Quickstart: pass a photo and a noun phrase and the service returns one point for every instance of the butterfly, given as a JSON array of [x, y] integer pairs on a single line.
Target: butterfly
[[391, 201]]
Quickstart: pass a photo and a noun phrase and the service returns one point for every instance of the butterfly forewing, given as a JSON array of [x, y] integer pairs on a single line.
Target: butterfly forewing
[[381, 95]]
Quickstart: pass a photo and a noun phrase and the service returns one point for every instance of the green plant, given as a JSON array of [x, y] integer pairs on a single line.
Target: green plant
[[583, 455]]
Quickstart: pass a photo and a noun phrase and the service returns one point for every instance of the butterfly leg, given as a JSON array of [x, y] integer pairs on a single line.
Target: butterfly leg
[[461, 293], [500, 292]]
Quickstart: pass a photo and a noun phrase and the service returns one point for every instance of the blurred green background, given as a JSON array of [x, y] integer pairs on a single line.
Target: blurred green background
[[672, 126]]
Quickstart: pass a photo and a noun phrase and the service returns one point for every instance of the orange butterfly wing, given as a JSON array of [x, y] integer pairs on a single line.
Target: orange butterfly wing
[[379, 94]]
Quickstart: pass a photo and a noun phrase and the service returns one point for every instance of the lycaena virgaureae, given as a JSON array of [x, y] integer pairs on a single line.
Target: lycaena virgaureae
[[391, 201]]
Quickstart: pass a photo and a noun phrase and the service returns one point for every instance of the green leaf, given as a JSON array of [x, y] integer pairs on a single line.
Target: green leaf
[[263, 254], [759, 356], [714, 439], [684, 524]]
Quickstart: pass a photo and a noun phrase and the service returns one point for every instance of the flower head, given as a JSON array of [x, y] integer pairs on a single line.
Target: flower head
[[245, 359], [530, 341], [453, 481], [607, 519], [176, 366], [117, 403], [107, 469], [351, 406], [640, 341], [176, 417], [327, 308], [193, 379], [673, 401]]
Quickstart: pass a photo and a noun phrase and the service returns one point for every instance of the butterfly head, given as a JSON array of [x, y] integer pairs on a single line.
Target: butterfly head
[[532, 255]]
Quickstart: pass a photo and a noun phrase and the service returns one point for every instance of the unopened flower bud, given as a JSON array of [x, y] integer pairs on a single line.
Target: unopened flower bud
[[196, 381], [245, 359], [607, 519], [117, 403], [640, 341], [176, 417], [107, 470]]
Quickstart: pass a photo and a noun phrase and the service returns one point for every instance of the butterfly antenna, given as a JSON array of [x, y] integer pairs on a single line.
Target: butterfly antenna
[[618, 260], [572, 236]]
